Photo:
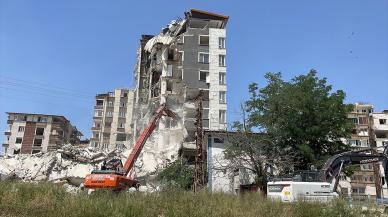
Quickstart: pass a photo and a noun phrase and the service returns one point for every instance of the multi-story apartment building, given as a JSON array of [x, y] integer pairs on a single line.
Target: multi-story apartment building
[[33, 133], [182, 65], [362, 181], [187, 57], [112, 120], [371, 129]]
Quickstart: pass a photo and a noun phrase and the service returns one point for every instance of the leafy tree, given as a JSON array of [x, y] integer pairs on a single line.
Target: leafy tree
[[303, 114], [177, 174]]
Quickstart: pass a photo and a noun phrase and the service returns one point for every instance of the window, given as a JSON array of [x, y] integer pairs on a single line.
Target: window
[[354, 142], [363, 132], [204, 40], [383, 121], [111, 94], [39, 131], [109, 114], [222, 97], [182, 54], [222, 78], [204, 76], [122, 114], [171, 54], [110, 103], [19, 140], [222, 116], [121, 137], [169, 70], [105, 146], [363, 120], [37, 142], [35, 151], [97, 124], [108, 124], [218, 140], [98, 113], [354, 120], [106, 135], [99, 102], [21, 129], [121, 125], [42, 119], [181, 39], [96, 135], [203, 57], [222, 60], [95, 144], [123, 104], [120, 146], [221, 42]]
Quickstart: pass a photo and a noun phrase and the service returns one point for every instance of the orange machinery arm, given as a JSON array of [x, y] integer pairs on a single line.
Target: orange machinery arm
[[145, 134]]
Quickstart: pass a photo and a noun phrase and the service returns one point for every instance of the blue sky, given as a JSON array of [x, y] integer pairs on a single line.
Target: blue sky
[[56, 55]]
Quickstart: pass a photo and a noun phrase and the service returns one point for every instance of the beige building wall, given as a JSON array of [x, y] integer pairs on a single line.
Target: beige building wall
[[112, 121]]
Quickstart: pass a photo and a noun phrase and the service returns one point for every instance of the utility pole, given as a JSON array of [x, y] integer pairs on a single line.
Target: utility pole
[[199, 173], [376, 166]]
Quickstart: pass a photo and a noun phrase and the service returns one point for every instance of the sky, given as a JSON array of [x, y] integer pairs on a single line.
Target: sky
[[56, 55]]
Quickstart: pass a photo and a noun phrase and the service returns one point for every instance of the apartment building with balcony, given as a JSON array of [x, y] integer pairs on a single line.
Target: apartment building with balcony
[[370, 128], [112, 120], [361, 182], [32, 133]]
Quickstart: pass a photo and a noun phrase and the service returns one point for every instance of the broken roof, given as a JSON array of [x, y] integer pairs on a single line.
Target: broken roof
[[196, 13]]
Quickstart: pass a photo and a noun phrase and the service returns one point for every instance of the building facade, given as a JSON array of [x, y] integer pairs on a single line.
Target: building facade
[[185, 61], [112, 120], [33, 133], [371, 130]]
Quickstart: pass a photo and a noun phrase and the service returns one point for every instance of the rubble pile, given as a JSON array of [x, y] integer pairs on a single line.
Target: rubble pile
[[67, 166]]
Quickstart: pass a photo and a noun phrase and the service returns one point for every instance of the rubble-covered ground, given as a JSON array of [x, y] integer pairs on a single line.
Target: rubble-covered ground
[[67, 166]]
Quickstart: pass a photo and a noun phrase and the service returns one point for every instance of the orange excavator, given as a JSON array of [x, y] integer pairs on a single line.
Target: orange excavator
[[113, 174]]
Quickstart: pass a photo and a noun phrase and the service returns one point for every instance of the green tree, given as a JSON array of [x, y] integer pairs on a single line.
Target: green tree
[[303, 114], [177, 174]]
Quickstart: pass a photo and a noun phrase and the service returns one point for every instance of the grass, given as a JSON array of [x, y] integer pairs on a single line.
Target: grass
[[22, 199]]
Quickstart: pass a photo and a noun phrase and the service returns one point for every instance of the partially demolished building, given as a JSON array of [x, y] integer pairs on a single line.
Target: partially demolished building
[[185, 62]]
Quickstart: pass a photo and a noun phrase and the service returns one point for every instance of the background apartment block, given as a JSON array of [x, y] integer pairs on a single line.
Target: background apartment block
[[112, 120], [362, 181], [371, 130], [33, 133]]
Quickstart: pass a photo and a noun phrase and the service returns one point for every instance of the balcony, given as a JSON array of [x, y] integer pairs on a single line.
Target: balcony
[[98, 107]]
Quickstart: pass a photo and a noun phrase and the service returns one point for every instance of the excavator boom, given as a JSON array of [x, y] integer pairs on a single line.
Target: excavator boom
[[118, 179]]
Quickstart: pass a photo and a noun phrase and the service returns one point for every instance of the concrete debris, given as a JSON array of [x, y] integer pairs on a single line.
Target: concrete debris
[[68, 165]]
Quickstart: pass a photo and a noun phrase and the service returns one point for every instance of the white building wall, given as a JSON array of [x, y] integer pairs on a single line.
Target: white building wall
[[15, 134], [46, 135], [215, 87], [221, 179], [128, 117]]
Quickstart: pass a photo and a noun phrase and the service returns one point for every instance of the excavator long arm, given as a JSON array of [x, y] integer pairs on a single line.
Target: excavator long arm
[[334, 166], [145, 134]]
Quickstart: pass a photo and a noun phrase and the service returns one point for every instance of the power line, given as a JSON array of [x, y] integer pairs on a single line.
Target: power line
[[44, 85]]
